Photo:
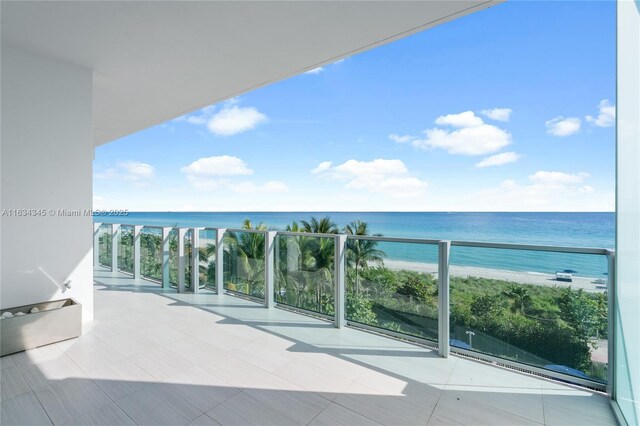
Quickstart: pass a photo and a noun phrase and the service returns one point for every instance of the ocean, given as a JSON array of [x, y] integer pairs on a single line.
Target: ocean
[[561, 229]]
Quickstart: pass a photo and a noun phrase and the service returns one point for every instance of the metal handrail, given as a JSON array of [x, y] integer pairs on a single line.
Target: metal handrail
[[250, 231], [306, 234], [393, 239], [531, 247]]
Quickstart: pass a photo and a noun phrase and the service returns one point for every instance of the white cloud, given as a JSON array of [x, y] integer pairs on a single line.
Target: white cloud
[[499, 159], [273, 186], [401, 139], [127, 170], [463, 119], [471, 136], [498, 114], [229, 120], [217, 173], [223, 165], [232, 120], [561, 126], [558, 178], [480, 140], [390, 177], [322, 167], [546, 190], [136, 170], [606, 116], [315, 71]]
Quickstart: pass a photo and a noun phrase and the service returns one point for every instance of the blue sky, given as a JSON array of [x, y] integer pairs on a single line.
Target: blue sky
[[508, 109]]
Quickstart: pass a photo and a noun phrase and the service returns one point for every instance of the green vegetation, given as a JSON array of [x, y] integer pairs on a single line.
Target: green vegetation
[[244, 260], [534, 324]]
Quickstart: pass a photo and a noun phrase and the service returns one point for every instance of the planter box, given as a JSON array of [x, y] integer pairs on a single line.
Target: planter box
[[57, 320]]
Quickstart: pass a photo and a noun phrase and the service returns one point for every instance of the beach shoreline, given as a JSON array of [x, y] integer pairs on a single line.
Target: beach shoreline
[[532, 278]]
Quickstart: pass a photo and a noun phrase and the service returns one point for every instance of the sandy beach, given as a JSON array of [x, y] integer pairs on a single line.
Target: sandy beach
[[535, 278]]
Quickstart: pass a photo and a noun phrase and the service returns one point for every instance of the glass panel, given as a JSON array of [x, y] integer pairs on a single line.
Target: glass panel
[[393, 286], [125, 249], [151, 253], [544, 309], [627, 298], [187, 259], [173, 257], [304, 272], [104, 245], [207, 255], [244, 263]]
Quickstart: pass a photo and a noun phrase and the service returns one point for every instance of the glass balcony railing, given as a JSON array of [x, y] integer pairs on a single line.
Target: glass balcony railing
[[304, 277], [207, 258], [104, 245], [244, 262], [542, 309], [125, 249], [151, 252], [390, 294]]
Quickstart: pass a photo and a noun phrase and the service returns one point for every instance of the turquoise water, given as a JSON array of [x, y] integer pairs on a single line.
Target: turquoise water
[[562, 229]]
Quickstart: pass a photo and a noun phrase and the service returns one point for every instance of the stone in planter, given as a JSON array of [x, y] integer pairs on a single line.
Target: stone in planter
[[52, 322]]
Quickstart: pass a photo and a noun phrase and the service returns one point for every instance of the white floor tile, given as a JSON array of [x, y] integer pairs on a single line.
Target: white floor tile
[[23, 410], [243, 410], [71, 398], [158, 405], [12, 383], [200, 388], [120, 378], [42, 374], [109, 415], [337, 415]]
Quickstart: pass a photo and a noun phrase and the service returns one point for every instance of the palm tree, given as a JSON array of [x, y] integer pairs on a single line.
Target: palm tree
[[322, 226], [246, 252], [361, 252], [207, 268], [315, 261], [519, 297]]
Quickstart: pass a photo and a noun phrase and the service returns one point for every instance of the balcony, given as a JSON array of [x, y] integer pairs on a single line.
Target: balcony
[[243, 344], [156, 356]]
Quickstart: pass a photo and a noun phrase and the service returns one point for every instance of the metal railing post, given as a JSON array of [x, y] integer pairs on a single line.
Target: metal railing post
[[340, 243], [181, 260], [195, 259], [96, 244], [166, 232], [269, 268], [137, 240], [611, 322], [220, 260], [115, 233], [443, 298]]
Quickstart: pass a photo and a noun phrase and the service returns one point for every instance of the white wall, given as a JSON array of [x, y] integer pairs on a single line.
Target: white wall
[[627, 343], [46, 163]]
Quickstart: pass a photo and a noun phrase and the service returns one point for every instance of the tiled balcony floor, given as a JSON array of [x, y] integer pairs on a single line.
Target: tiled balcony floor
[[154, 357]]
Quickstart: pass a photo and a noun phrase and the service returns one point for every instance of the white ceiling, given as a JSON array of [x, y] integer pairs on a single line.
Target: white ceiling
[[156, 60]]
